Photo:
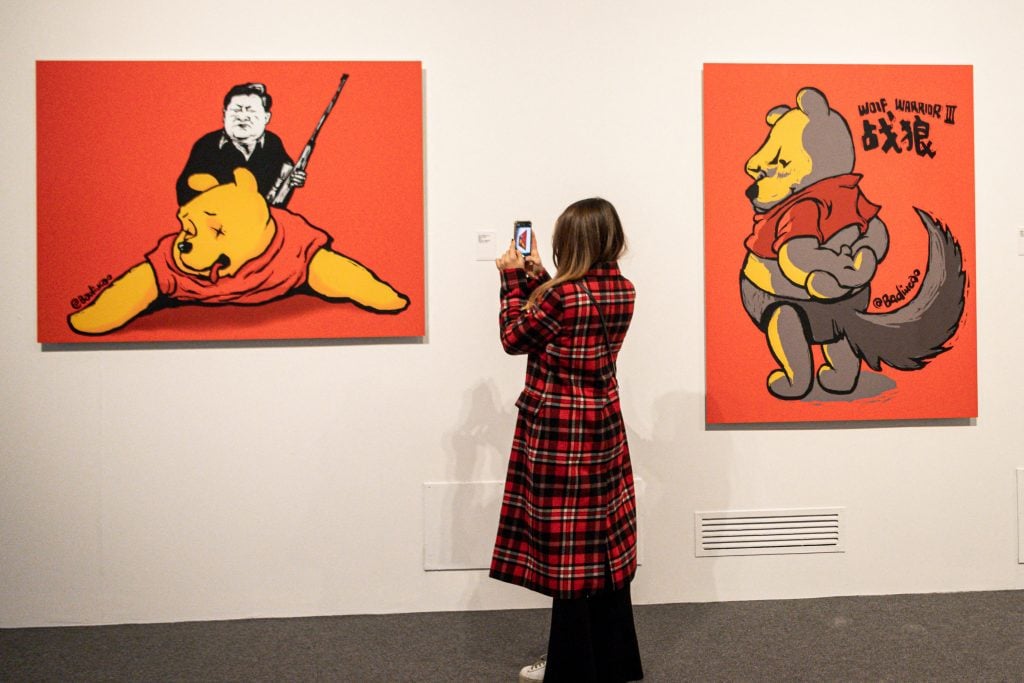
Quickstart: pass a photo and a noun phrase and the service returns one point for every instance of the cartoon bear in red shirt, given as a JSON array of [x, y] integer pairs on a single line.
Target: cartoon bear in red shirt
[[815, 245], [233, 248]]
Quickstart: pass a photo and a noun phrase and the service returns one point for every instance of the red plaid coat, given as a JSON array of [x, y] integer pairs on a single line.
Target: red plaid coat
[[568, 516]]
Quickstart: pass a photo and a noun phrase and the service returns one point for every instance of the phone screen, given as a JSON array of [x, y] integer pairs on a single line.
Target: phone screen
[[524, 237]]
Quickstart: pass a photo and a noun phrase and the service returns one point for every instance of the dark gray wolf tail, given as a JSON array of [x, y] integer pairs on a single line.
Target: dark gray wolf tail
[[911, 335]]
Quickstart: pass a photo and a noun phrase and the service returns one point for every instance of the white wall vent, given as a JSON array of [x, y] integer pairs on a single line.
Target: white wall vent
[[769, 532]]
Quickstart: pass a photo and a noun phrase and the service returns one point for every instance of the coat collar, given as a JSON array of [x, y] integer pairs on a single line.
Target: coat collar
[[606, 268]]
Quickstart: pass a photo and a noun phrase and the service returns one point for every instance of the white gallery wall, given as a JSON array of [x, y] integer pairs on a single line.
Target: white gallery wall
[[187, 482]]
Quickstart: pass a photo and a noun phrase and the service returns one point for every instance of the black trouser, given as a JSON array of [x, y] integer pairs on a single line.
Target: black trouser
[[593, 639]]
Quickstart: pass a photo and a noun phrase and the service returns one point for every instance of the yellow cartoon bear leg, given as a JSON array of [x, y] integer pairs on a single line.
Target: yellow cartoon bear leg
[[338, 277], [125, 298], [841, 369], [788, 344]]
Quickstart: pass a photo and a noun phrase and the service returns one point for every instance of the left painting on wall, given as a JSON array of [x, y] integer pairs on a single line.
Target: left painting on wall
[[194, 201]]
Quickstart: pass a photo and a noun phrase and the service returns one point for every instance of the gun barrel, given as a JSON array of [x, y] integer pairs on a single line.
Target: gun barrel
[[279, 194], [330, 106]]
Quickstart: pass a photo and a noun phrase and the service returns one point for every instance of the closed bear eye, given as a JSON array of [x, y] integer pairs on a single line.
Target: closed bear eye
[[218, 229], [778, 160]]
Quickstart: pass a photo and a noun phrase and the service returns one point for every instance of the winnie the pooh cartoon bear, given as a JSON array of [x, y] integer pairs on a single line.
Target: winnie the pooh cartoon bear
[[233, 248], [815, 245]]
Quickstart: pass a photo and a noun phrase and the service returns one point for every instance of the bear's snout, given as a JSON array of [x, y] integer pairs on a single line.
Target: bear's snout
[[751, 193], [186, 247]]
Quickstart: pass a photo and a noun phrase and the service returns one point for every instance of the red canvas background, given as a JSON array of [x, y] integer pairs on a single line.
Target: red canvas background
[[736, 99], [113, 137]]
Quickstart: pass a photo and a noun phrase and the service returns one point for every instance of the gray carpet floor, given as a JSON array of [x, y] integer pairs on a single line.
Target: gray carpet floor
[[943, 637]]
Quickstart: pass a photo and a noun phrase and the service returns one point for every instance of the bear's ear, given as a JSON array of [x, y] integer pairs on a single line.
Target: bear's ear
[[245, 180], [201, 182], [812, 102], [775, 114]]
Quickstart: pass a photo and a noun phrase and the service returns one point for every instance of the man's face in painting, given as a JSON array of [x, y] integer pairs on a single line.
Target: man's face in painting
[[245, 119]]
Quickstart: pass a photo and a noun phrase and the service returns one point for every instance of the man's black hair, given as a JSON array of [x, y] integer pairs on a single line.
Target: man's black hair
[[257, 89]]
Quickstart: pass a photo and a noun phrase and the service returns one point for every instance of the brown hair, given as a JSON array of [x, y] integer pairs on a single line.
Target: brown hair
[[587, 232]]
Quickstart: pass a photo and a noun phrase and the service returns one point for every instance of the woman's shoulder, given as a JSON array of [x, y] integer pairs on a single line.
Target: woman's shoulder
[[601, 277]]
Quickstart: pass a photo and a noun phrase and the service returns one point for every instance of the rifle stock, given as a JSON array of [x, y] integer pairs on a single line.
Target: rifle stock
[[282, 190]]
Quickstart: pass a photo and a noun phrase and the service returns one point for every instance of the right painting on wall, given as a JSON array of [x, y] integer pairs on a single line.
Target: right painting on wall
[[839, 243]]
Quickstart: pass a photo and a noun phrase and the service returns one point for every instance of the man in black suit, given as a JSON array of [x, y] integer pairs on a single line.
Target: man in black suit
[[244, 141]]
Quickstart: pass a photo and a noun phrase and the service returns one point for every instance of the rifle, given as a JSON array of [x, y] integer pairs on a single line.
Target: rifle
[[280, 193]]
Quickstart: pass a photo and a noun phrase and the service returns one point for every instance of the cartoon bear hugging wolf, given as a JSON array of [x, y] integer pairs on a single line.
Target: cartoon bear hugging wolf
[[815, 246]]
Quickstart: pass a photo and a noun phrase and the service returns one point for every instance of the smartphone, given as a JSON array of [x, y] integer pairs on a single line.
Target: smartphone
[[524, 237]]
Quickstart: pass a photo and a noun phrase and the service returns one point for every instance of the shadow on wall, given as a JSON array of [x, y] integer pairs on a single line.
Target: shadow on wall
[[482, 439], [468, 502], [685, 469]]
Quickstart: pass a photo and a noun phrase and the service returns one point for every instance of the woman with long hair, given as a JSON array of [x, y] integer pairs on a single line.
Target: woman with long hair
[[568, 516]]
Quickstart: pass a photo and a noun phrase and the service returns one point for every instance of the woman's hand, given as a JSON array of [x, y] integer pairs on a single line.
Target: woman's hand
[[534, 268], [510, 259]]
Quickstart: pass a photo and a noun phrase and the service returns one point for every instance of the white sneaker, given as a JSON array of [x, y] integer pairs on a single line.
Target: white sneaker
[[534, 672]]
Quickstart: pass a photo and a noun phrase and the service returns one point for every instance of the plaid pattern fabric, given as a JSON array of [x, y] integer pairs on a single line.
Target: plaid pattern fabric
[[568, 516]]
